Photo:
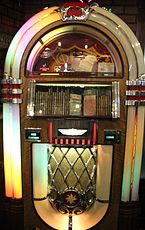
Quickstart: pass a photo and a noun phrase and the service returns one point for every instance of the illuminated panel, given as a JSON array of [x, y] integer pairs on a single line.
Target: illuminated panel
[[104, 166], [16, 153], [133, 157], [12, 153], [7, 150], [138, 153], [40, 173], [126, 187]]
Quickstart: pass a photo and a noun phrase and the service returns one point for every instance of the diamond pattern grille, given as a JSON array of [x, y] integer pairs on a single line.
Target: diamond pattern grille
[[72, 168]]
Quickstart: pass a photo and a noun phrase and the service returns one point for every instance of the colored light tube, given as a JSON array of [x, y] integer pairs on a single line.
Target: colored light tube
[[126, 186], [138, 153], [50, 132], [40, 173], [12, 151], [94, 133], [7, 139], [16, 153], [133, 157]]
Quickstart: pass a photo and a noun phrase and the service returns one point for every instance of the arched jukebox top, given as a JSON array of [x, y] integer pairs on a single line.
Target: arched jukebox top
[[94, 31]]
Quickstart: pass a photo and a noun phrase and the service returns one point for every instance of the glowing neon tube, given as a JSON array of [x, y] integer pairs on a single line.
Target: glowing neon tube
[[12, 156], [128, 155], [11, 113], [138, 153], [7, 150], [40, 173]]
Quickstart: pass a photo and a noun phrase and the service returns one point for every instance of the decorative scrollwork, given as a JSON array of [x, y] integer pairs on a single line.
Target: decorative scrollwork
[[71, 201]]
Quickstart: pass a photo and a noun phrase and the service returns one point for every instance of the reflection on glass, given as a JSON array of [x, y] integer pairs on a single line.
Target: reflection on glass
[[84, 100], [74, 53]]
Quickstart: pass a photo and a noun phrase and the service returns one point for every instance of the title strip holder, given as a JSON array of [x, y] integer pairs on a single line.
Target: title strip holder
[[10, 90], [135, 92]]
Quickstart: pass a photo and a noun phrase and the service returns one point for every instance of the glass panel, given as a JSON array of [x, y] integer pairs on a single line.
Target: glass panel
[[74, 52], [83, 100]]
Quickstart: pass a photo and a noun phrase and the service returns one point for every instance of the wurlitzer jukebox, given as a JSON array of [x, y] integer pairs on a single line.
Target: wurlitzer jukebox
[[73, 118]]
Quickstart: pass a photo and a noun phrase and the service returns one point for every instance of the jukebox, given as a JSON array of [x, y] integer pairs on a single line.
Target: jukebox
[[73, 118]]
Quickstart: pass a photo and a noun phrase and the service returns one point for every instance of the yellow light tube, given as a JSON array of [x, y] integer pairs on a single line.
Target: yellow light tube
[[12, 151], [7, 150], [138, 153], [126, 186]]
